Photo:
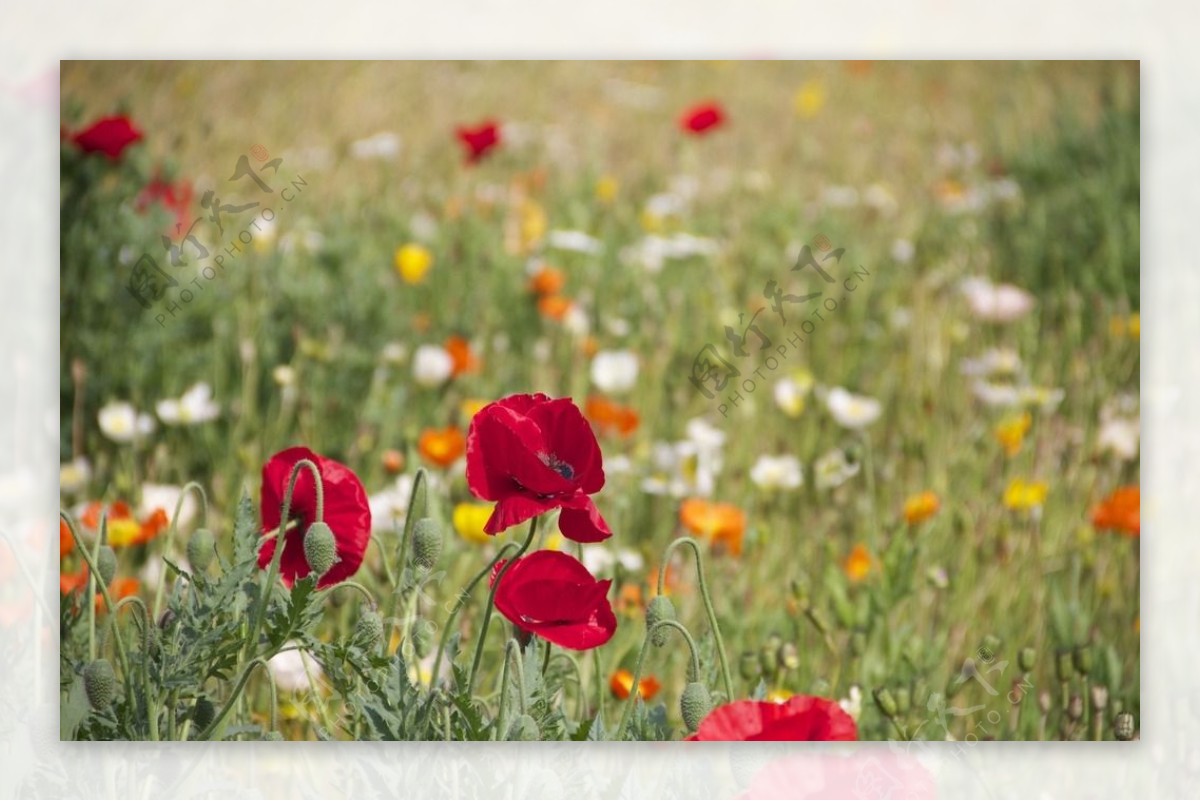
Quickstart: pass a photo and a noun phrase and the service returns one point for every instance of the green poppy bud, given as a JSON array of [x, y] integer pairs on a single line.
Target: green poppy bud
[[201, 550], [320, 549], [1082, 659], [903, 700], [100, 683], [368, 629], [660, 609], [106, 565], [769, 657], [694, 704], [1063, 667], [427, 542], [524, 728], [750, 666], [885, 702], [1026, 659], [203, 713], [1123, 727]]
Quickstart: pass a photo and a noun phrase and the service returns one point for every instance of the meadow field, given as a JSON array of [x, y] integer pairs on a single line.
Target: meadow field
[[857, 343]]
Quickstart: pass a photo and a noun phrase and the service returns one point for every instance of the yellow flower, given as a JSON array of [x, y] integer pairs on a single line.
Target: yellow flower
[[413, 262], [533, 224], [1023, 495], [469, 520], [779, 696], [471, 407], [606, 189], [1135, 325], [858, 564], [810, 99], [123, 531], [1011, 432], [921, 506], [1130, 326]]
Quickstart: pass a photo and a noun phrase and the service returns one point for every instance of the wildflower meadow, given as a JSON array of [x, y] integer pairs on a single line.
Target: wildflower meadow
[[600, 401]]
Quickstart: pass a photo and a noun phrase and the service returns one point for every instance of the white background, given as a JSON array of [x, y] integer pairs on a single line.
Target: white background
[[35, 35]]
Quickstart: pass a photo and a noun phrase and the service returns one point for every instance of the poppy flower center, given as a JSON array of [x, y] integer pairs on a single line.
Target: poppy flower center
[[557, 465]]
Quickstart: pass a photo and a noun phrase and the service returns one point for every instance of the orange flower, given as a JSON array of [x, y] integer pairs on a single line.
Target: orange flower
[[66, 543], [442, 447], [120, 588], [921, 506], [859, 563], [1121, 511], [547, 281], [554, 307], [723, 524], [123, 528], [621, 684], [611, 417], [465, 361], [393, 461], [71, 582]]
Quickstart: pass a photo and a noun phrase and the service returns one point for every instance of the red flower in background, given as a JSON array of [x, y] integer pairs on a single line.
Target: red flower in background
[[1121, 511], [802, 717], [176, 198], [551, 594], [109, 136], [479, 140], [531, 454], [346, 513], [702, 119]]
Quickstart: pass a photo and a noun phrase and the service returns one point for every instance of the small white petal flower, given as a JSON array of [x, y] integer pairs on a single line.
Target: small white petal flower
[[576, 321], [292, 669], [166, 497], [852, 705], [994, 361], [996, 394], [850, 410], [194, 407], [1119, 436], [121, 422], [73, 476], [791, 392], [284, 375], [573, 241], [833, 469], [383, 145], [615, 371], [1000, 303], [777, 472], [432, 365], [394, 353]]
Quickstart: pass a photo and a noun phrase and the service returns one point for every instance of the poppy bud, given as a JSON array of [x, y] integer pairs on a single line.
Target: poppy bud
[[100, 683], [422, 635], [368, 629], [524, 728], [201, 549], [885, 702], [320, 549], [1026, 659], [106, 565], [694, 704], [660, 609], [903, 700], [427, 543], [1123, 726], [1062, 665], [1082, 658], [749, 666], [1044, 702], [770, 659], [1099, 697], [1075, 707], [789, 656], [203, 713]]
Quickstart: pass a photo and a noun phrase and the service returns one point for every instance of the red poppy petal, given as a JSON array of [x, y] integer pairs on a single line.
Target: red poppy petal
[[571, 439], [514, 510], [581, 521]]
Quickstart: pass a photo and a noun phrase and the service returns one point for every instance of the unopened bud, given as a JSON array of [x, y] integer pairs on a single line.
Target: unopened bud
[[1099, 697], [1082, 659], [203, 713], [100, 684], [368, 629], [749, 666], [885, 702], [1075, 707], [660, 608], [789, 656], [320, 549], [903, 700], [1026, 659], [106, 565], [1123, 726], [1062, 665], [694, 704], [427, 542], [524, 728], [201, 550], [422, 636], [770, 659]]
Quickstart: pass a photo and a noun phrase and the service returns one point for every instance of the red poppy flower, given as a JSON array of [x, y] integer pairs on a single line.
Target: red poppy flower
[[551, 594], [479, 140], [801, 717], [701, 119], [1121, 511], [530, 454], [109, 136], [176, 198], [346, 513]]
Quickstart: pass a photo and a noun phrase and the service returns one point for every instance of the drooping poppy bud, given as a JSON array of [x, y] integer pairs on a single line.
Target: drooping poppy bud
[[886, 702], [203, 713], [201, 550], [320, 549], [106, 565], [694, 704], [660, 608], [100, 684], [368, 629], [427, 542]]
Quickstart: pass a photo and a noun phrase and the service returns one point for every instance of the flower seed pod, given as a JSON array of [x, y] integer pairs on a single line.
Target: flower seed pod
[[885, 702], [1063, 667], [524, 728], [1082, 659], [789, 657], [320, 549], [1123, 727], [100, 683], [368, 629], [106, 565], [749, 666], [201, 550], [1026, 659], [694, 704], [203, 713], [427, 542], [660, 609]]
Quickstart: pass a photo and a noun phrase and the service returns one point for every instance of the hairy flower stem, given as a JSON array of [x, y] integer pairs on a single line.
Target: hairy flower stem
[[635, 692], [511, 650], [708, 606], [491, 602], [150, 698], [419, 485], [234, 696], [162, 576], [352, 585], [273, 572]]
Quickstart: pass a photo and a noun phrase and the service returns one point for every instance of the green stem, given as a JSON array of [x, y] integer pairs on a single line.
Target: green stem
[[635, 690], [708, 606], [162, 576], [352, 585], [502, 712], [491, 602], [580, 700], [150, 698], [419, 484], [233, 697]]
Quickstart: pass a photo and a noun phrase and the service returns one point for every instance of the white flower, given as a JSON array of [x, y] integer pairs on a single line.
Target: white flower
[[1000, 303], [284, 375], [292, 669], [165, 497], [120, 422], [576, 321], [617, 326], [73, 476], [196, 406], [652, 251], [394, 353], [618, 465], [615, 371], [432, 365], [996, 394], [1119, 436], [573, 241], [902, 251], [601, 560], [1002, 361], [833, 470], [777, 472], [852, 706], [383, 145], [850, 410], [706, 436], [791, 392], [1045, 398], [389, 506]]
